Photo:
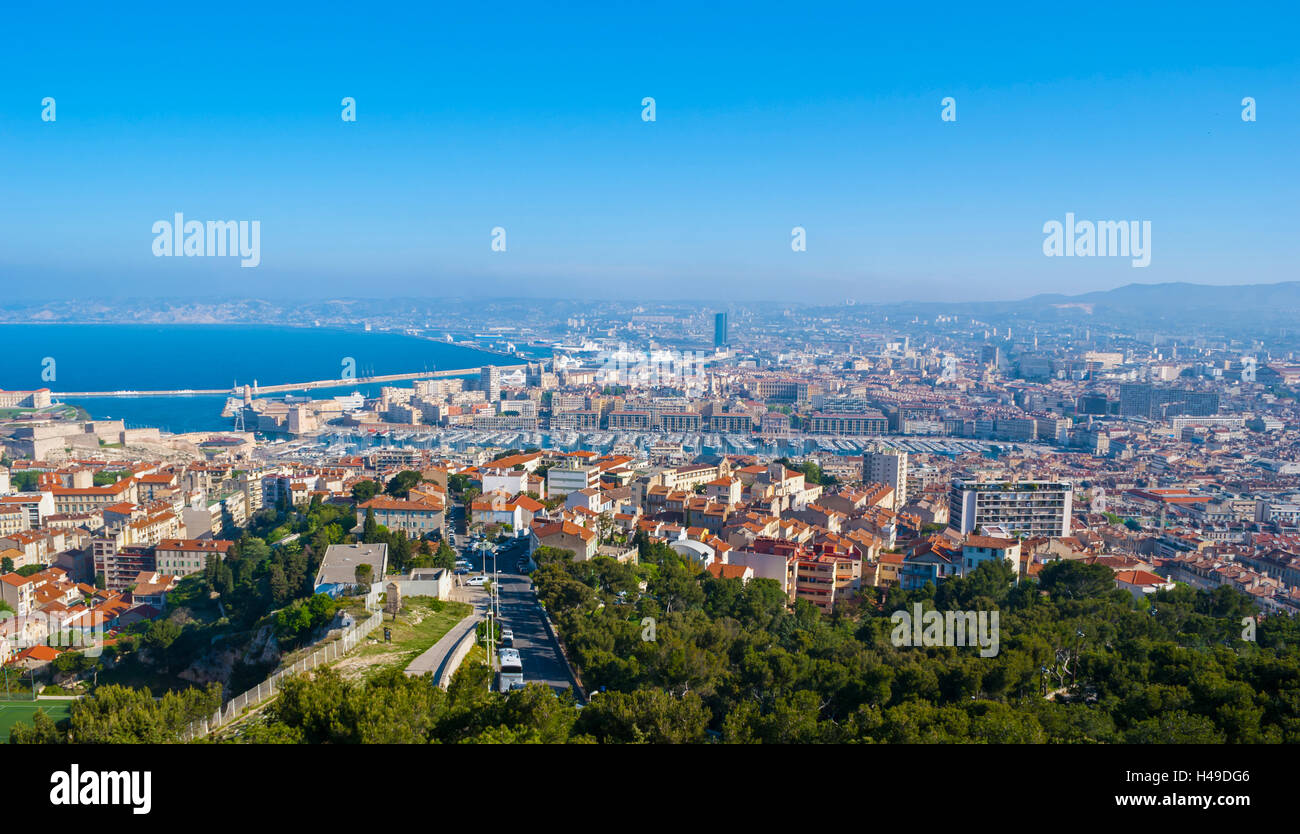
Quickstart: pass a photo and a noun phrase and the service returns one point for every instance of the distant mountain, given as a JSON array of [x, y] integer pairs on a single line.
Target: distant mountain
[[1180, 298], [1243, 311]]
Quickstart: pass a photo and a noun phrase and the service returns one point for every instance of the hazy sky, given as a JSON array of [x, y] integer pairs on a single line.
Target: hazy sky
[[769, 116]]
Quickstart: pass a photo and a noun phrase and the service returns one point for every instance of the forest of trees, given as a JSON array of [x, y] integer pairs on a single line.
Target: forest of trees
[[732, 662], [1173, 669]]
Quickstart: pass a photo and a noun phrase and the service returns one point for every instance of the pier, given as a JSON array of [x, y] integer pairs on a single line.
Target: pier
[[238, 390]]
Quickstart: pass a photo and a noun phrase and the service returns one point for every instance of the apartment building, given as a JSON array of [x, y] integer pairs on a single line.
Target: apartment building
[[1034, 508], [1157, 402], [119, 562], [928, 565], [158, 485], [12, 519], [571, 477], [675, 479], [149, 529], [825, 578], [583, 420], [780, 391], [37, 506], [415, 518], [182, 557], [18, 592], [976, 550], [731, 422], [125, 547], [853, 425], [888, 468], [1053, 429], [629, 420], [681, 421], [499, 508], [770, 558], [564, 535], [81, 500], [726, 490]]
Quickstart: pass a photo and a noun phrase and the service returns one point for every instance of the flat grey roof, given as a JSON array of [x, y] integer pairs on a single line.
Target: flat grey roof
[[339, 567]]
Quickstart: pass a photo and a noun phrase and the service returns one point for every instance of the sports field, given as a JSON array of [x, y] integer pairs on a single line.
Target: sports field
[[12, 712]]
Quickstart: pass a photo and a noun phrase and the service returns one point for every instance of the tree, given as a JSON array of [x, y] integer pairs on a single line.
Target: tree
[[279, 586], [161, 634], [399, 551], [645, 716], [6, 565], [65, 663], [400, 484], [1177, 727], [535, 709], [23, 481], [120, 715], [223, 579], [43, 730], [445, 557], [297, 622], [546, 555], [677, 588], [1072, 579], [363, 491]]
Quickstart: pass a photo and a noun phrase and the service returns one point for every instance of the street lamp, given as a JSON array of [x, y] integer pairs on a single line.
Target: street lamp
[[496, 591], [489, 647]]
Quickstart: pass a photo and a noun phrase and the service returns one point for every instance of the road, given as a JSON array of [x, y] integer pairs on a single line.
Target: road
[[521, 613]]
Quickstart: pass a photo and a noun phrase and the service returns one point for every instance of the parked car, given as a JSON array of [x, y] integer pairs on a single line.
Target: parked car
[[477, 580]]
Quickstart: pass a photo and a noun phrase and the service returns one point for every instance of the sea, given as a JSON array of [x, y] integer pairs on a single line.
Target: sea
[[140, 357]]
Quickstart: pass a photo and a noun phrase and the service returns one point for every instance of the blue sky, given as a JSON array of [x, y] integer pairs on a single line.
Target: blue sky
[[768, 117]]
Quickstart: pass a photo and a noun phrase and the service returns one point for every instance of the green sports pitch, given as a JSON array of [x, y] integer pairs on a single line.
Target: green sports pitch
[[14, 712]]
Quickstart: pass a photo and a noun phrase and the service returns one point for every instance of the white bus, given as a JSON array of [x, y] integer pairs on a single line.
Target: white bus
[[511, 675]]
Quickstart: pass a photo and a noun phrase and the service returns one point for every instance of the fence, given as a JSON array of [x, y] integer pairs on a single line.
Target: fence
[[268, 688], [452, 661]]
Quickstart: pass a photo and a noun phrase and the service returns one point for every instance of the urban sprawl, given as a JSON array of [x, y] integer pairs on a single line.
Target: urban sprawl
[[838, 456]]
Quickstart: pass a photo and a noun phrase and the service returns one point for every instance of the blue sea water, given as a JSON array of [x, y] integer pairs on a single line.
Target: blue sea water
[[106, 357]]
